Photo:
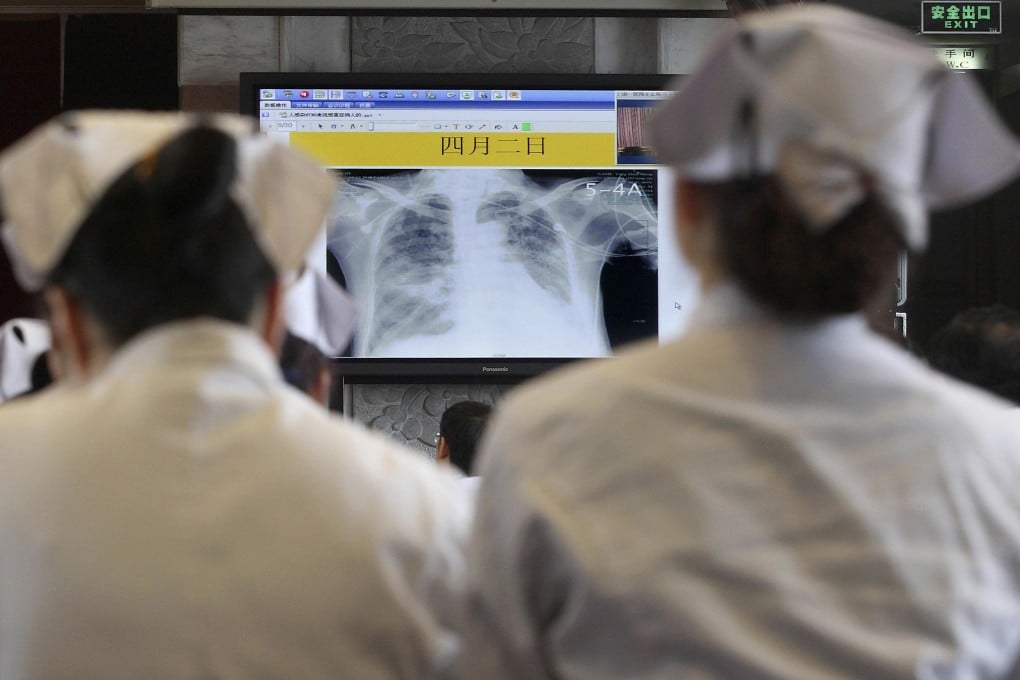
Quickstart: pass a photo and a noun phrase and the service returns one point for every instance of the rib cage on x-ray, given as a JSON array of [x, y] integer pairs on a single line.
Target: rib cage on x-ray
[[486, 263]]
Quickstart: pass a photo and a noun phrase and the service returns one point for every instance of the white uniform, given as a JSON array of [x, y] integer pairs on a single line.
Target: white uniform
[[755, 500], [187, 515]]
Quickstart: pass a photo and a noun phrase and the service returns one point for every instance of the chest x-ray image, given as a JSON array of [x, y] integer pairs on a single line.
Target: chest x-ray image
[[482, 262]]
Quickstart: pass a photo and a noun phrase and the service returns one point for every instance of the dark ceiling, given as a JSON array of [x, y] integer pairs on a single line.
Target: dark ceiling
[[906, 13]]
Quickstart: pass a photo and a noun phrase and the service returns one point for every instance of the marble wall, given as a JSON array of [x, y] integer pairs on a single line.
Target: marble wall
[[410, 413], [214, 49]]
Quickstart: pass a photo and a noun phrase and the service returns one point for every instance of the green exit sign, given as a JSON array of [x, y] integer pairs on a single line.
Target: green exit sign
[[961, 17]]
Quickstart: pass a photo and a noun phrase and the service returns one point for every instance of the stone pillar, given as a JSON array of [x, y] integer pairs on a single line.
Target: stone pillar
[[626, 45], [318, 44], [215, 49], [682, 42]]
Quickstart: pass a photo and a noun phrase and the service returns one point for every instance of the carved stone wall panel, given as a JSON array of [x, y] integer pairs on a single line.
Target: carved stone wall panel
[[683, 41], [315, 43], [626, 45], [214, 49], [410, 413], [473, 44]]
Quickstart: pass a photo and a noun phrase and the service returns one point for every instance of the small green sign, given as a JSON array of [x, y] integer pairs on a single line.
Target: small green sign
[[961, 17]]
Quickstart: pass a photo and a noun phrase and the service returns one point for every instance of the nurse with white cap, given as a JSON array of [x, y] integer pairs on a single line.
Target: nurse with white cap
[[320, 318], [172, 509], [779, 493], [22, 342]]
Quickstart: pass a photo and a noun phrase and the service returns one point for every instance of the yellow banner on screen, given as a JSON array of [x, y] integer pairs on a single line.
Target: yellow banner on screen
[[461, 149]]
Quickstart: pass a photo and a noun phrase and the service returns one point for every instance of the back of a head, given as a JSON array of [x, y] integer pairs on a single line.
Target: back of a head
[[820, 139], [462, 425], [981, 346], [167, 242], [144, 218], [775, 256], [42, 376]]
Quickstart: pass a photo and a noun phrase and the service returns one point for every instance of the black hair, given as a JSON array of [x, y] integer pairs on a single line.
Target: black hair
[[981, 346], [301, 363], [40, 379], [769, 250], [166, 242], [41, 376], [462, 425]]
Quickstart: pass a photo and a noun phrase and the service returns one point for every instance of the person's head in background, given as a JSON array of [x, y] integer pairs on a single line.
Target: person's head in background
[[320, 319], [981, 346], [165, 243], [809, 146], [305, 368], [42, 374], [180, 225], [460, 429]]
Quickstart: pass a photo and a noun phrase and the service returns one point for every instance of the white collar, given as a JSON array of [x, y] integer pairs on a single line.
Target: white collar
[[727, 305], [203, 340]]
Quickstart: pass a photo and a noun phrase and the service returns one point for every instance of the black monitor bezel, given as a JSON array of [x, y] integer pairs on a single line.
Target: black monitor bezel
[[447, 369]]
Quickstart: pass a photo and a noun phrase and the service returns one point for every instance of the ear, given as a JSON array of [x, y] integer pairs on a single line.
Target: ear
[[72, 349], [320, 390], [55, 362], [690, 211], [695, 231], [443, 451], [690, 204], [271, 326]]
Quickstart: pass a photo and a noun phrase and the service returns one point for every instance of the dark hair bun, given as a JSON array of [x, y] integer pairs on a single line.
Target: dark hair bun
[[191, 175], [167, 242], [771, 252]]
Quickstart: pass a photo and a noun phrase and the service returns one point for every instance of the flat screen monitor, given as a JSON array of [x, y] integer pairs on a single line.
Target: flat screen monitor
[[488, 225]]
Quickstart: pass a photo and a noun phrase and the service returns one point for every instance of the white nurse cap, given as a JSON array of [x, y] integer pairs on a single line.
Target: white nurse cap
[[833, 102], [316, 309], [50, 180], [21, 343]]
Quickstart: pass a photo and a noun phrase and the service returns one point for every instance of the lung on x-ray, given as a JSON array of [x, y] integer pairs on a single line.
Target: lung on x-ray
[[497, 262]]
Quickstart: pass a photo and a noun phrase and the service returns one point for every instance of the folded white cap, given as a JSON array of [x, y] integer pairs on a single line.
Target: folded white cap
[[21, 343], [833, 102], [51, 179], [318, 311]]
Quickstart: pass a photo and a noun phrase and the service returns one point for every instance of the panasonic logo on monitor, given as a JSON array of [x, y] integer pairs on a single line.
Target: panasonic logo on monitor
[[495, 369]]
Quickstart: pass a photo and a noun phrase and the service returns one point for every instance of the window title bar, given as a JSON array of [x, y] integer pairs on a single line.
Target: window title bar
[[441, 95]]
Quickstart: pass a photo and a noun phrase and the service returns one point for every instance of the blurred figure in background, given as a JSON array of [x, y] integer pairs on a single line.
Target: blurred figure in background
[[173, 509], [779, 493], [981, 346], [306, 368], [460, 430], [320, 319], [24, 344]]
